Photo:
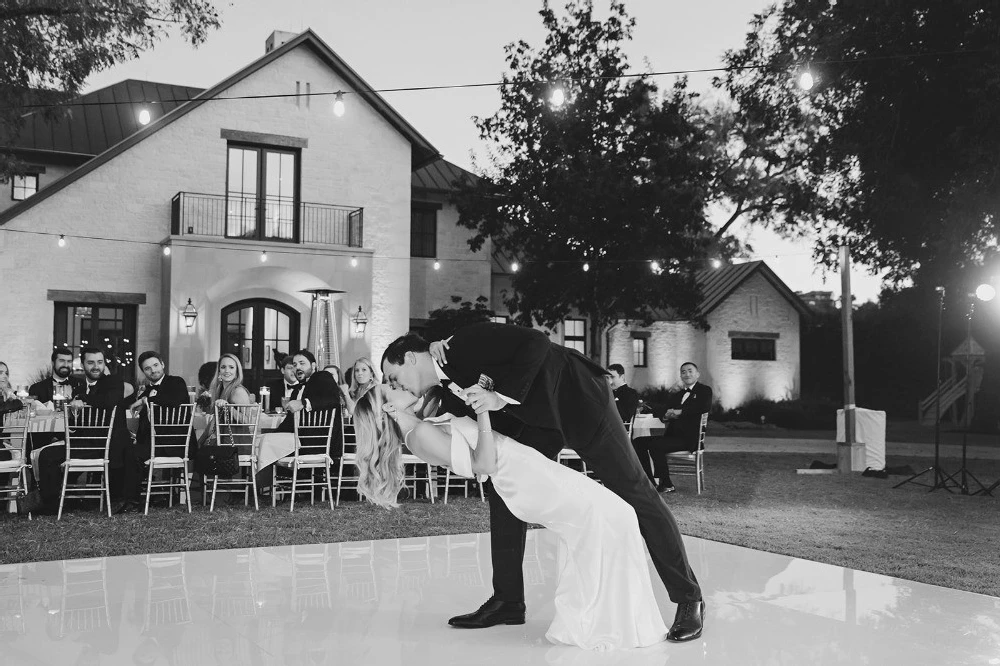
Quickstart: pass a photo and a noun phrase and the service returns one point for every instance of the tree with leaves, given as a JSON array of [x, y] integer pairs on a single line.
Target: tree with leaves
[[588, 194], [50, 47], [895, 146], [444, 321]]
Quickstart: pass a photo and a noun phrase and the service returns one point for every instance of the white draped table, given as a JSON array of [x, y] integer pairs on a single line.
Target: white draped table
[[647, 424]]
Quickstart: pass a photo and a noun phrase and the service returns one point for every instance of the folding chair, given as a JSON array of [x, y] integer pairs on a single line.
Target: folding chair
[[15, 437], [460, 482], [566, 455], [313, 432], [234, 593], [170, 431], [88, 440], [349, 456], [691, 463], [310, 578], [12, 595], [413, 463], [238, 425]]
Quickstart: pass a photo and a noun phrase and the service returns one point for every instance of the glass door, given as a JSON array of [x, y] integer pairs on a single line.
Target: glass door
[[262, 194], [260, 333]]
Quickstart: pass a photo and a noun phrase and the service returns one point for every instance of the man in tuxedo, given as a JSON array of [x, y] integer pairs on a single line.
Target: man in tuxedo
[[98, 390], [286, 386], [160, 389], [319, 392], [683, 417], [62, 375], [626, 397], [547, 397]]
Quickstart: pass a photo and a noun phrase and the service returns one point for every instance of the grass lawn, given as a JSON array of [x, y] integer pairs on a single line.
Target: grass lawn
[[753, 500]]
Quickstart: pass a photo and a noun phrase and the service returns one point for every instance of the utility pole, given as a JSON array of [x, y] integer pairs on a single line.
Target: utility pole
[[845, 449]]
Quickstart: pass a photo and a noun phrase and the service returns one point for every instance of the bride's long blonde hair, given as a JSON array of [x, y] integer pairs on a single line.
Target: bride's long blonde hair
[[380, 450]]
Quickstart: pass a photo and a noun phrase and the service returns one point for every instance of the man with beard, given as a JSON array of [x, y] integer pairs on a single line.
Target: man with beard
[[287, 386], [101, 391], [62, 377], [160, 389], [319, 391]]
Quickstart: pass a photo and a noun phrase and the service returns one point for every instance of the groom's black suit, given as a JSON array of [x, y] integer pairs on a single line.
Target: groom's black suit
[[565, 401]]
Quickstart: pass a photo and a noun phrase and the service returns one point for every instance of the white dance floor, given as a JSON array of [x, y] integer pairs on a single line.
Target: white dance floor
[[384, 603]]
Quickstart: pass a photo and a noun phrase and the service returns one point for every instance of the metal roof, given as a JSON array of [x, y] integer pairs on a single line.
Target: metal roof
[[440, 176], [90, 130], [422, 150]]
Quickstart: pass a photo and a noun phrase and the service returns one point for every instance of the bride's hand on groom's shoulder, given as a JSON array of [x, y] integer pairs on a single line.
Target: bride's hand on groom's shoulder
[[437, 350]]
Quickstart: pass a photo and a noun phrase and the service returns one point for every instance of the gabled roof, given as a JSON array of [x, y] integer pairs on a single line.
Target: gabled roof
[[422, 150], [102, 118], [968, 347], [717, 284], [440, 176]]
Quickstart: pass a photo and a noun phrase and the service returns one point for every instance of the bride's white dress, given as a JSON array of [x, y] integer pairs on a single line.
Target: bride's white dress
[[604, 597]]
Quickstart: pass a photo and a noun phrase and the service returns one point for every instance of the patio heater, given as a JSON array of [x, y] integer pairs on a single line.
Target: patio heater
[[323, 342]]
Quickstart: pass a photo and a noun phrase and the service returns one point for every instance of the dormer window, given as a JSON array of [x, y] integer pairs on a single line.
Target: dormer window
[[24, 186]]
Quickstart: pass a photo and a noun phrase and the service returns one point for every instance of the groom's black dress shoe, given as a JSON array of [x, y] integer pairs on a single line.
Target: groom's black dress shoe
[[688, 622], [490, 614]]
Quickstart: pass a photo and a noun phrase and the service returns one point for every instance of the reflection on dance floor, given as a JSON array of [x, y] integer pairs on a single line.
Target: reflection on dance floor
[[387, 602]]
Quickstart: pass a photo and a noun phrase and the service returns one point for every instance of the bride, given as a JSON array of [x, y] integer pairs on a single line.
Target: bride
[[604, 597]]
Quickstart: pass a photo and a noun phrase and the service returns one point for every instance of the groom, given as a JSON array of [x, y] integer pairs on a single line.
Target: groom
[[547, 397]]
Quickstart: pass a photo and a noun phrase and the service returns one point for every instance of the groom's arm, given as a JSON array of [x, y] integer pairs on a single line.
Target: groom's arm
[[520, 351]]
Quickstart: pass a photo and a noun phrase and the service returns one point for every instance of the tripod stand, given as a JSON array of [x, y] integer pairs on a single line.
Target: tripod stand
[[963, 485], [939, 478]]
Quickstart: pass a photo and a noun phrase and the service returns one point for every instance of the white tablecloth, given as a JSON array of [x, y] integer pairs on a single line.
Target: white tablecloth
[[272, 446], [647, 424], [869, 429]]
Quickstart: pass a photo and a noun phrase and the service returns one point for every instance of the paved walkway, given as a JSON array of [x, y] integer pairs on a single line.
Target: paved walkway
[[828, 446]]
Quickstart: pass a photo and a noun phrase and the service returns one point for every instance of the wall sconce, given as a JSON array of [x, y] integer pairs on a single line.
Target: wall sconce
[[190, 314], [360, 321]]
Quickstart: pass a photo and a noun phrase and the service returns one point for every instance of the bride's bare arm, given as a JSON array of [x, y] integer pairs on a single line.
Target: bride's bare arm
[[430, 443], [484, 457]]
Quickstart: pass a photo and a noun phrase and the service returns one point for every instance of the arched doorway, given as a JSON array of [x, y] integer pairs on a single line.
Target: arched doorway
[[259, 331]]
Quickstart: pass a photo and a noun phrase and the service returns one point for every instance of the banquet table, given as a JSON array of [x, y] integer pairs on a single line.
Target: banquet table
[[647, 424]]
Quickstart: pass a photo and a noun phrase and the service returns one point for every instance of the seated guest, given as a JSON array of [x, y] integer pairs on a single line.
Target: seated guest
[[205, 374], [287, 386], [226, 387], [61, 376], [683, 419], [102, 391], [160, 389], [362, 379], [626, 397], [319, 391], [9, 402]]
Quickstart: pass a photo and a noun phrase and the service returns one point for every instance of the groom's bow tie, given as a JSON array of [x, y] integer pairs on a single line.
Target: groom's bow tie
[[688, 389]]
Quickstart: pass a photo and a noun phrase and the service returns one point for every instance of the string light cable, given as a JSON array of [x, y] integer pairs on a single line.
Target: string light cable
[[339, 94], [263, 254]]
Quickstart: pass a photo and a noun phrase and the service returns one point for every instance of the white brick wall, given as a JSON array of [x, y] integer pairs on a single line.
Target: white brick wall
[[357, 160], [463, 272], [734, 382]]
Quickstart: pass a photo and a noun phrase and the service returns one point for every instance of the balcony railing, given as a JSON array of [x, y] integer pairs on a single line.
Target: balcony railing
[[266, 219]]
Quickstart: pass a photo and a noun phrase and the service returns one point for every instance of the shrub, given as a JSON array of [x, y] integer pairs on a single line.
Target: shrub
[[801, 414]]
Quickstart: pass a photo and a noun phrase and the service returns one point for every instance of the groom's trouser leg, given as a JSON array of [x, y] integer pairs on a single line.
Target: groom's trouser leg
[[507, 538], [608, 452]]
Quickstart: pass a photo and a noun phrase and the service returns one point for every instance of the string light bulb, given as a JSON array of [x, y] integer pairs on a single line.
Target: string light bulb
[[985, 292], [437, 265], [338, 105], [515, 267], [144, 117], [166, 250], [807, 80], [354, 262], [716, 263], [586, 267], [263, 256], [558, 96], [655, 267], [62, 240]]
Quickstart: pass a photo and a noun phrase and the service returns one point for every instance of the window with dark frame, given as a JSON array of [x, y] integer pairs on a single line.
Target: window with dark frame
[[262, 192], [754, 349], [639, 352], [24, 186], [111, 328], [575, 334], [423, 232]]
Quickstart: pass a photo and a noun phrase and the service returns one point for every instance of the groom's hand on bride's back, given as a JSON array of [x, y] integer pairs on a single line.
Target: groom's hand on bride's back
[[437, 351], [483, 401]]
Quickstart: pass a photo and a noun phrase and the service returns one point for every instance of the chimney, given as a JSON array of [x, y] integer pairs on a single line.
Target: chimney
[[277, 38]]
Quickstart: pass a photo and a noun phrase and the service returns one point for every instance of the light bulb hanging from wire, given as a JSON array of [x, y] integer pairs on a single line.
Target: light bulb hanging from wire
[[144, 117], [62, 240], [263, 256], [586, 267], [558, 96], [338, 105], [807, 80], [515, 267]]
